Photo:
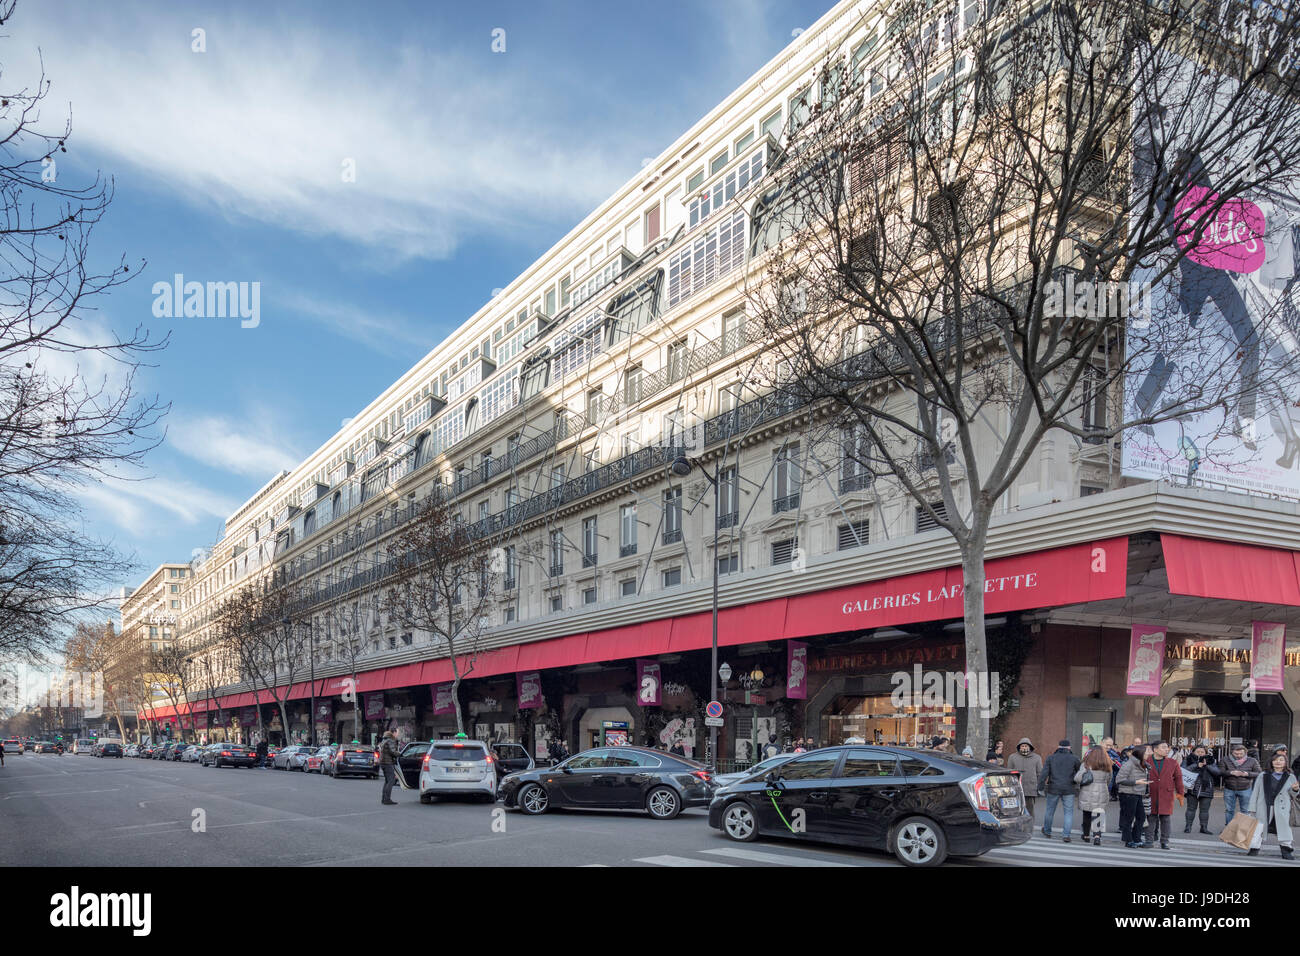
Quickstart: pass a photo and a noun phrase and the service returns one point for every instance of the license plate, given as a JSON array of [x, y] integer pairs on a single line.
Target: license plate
[[1010, 803], [458, 769]]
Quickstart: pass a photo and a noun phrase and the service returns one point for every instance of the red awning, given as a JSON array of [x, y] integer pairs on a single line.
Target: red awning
[[404, 675], [1233, 572]]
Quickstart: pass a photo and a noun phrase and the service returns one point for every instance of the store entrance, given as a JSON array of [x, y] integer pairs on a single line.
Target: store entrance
[[875, 720], [1218, 720]]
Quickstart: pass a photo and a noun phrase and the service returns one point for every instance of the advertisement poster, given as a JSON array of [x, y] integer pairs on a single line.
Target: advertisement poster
[[679, 731], [649, 685], [1146, 657], [1234, 299], [796, 670], [374, 706], [529, 688], [1267, 655], [443, 702]]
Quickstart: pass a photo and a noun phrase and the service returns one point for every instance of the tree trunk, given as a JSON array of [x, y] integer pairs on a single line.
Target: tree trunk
[[284, 719], [977, 657], [455, 700]]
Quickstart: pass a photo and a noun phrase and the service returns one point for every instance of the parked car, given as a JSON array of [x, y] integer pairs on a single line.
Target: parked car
[[316, 761], [111, 749], [511, 758], [191, 754], [160, 752], [353, 760], [449, 767], [133, 750], [727, 779], [104, 742], [233, 755], [613, 778], [208, 753], [82, 746], [13, 745], [284, 759], [49, 747], [922, 806]]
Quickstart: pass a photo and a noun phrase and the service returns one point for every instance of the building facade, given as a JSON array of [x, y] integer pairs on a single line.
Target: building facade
[[551, 418]]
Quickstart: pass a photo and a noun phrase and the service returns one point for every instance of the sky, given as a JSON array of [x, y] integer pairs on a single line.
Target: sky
[[377, 169]]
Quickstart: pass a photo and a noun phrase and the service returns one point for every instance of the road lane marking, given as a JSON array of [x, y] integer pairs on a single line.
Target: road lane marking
[[669, 860], [779, 859]]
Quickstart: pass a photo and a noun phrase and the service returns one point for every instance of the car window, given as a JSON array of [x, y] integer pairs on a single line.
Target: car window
[[452, 753], [415, 750], [869, 763], [510, 751], [594, 758], [624, 759], [916, 767], [647, 760], [813, 766]]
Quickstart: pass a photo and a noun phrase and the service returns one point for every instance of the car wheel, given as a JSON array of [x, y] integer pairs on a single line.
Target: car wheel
[[919, 841], [426, 798], [739, 822], [663, 803], [533, 800]]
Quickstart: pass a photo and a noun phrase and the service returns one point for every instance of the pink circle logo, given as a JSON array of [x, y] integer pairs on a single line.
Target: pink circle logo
[[1233, 239]]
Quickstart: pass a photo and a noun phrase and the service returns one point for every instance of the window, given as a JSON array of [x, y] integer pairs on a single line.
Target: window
[[651, 220], [832, 85], [557, 552], [744, 142], [855, 534], [717, 163], [174, 589], [733, 332], [813, 766], [854, 473], [783, 551], [677, 360], [632, 380], [915, 767], [627, 530], [509, 616], [772, 124], [557, 476], [672, 577], [1094, 404], [944, 433], [511, 569], [713, 253], [861, 55], [728, 563], [550, 302], [672, 515], [696, 181], [627, 587], [484, 509], [725, 189], [800, 111], [557, 603], [728, 497], [869, 763], [565, 281], [786, 479], [176, 605], [924, 521], [1086, 489], [589, 545], [589, 596], [636, 308]]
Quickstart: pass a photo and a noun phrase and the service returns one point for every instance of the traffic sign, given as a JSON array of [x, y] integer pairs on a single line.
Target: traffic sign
[[713, 722], [714, 709]]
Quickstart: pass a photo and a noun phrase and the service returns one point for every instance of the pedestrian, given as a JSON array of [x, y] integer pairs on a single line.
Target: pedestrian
[[261, 753], [1201, 794], [771, 750], [995, 755], [1131, 783], [388, 764], [1271, 804], [677, 750], [1166, 777], [1057, 782], [1093, 778], [1238, 772], [1252, 749], [1030, 766], [1116, 761]]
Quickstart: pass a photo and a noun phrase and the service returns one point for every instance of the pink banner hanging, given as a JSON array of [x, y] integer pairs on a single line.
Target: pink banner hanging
[[1146, 657], [1267, 654], [796, 670], [374, 706], [649, 683], [529, 688], [443, 701]]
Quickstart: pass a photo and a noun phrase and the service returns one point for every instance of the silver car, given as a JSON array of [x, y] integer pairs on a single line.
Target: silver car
[[293, 757]]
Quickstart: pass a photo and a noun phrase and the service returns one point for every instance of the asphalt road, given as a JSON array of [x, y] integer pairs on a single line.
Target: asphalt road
[[84, 811]]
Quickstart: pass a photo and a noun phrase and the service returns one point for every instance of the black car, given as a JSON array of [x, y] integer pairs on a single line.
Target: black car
[[920, 805], [353, 760], [110, 750], [233, 755], [630, 778]]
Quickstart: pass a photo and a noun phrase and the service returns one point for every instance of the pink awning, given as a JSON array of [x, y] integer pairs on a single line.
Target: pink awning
[[1234, 572]]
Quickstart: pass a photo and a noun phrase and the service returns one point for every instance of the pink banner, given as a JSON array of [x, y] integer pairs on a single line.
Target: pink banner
[[796, 670], [649, 683], [443, 702], [374, 706], [1146, 658], [248, 717], [529, 688], [1267, 654]]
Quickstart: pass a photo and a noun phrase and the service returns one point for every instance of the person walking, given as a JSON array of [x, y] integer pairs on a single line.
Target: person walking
[[1131, 784], [1270, 802], [1166, 777], [772, 749], [1093, 778], [1058, 783], [1238, 772], [1116, 761], [1201, 795], [261, 753], [1030, 767], [388, 765]]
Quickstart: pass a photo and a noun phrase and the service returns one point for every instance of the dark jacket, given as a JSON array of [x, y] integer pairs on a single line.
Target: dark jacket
[[388, 751], [1249, 765], [261, 748], [1204, 775], [1058, 772]]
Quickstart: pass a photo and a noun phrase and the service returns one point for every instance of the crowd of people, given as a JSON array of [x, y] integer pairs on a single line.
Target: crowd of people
[[1151, 780]]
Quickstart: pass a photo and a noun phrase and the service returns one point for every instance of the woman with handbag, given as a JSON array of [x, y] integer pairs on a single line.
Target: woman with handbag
[[1272, 802], [1093, 779]]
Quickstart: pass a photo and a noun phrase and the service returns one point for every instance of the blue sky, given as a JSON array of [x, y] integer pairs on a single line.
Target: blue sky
[[228, 167]]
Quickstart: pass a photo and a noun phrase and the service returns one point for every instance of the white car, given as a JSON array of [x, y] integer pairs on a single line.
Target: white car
[[190, 754], [83, 746], [458, 766], [13, 745]]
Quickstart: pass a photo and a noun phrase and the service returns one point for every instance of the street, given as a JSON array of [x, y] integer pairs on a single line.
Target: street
[[84, 811]]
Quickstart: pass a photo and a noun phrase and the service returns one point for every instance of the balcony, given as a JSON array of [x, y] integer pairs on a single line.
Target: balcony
[[673, 536], [557, 570], [729, 520], [859, 482], [788, 503], [627, 550], [588, 560]]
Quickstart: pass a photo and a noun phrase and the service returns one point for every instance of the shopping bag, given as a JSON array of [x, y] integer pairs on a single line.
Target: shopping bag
[[1240, 831]]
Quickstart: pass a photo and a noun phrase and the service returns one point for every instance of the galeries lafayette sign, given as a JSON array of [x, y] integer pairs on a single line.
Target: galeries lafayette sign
[[1075, 574]]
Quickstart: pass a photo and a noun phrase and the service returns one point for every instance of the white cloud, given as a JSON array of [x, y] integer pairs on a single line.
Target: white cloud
[[244, 448], [386, 333], [261, 125], [152, 504]]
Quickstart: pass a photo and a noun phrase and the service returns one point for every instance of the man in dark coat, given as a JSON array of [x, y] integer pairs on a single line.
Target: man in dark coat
[[1166, 778], [1057, 782]]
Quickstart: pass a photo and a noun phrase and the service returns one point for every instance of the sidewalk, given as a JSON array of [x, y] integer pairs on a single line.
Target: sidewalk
[[1196, 839]]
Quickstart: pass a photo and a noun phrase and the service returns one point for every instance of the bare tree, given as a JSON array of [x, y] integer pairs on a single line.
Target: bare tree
[[70, 411], [443, 584], [257, 623], [966, 165]]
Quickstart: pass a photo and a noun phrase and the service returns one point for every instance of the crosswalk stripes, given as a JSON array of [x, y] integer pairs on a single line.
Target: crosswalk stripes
[[775, 859], [668, 859], [1117, 855]]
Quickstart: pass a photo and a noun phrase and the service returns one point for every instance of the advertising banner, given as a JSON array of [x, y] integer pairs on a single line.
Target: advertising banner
[[796, 670], [443, 702], [529, 689], [1267, 654], [1146, 655], [649, 685], [248, 717], [375, 706]]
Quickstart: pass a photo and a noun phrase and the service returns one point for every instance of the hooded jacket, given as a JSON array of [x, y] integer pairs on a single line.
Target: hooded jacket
[[1030, 767]]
